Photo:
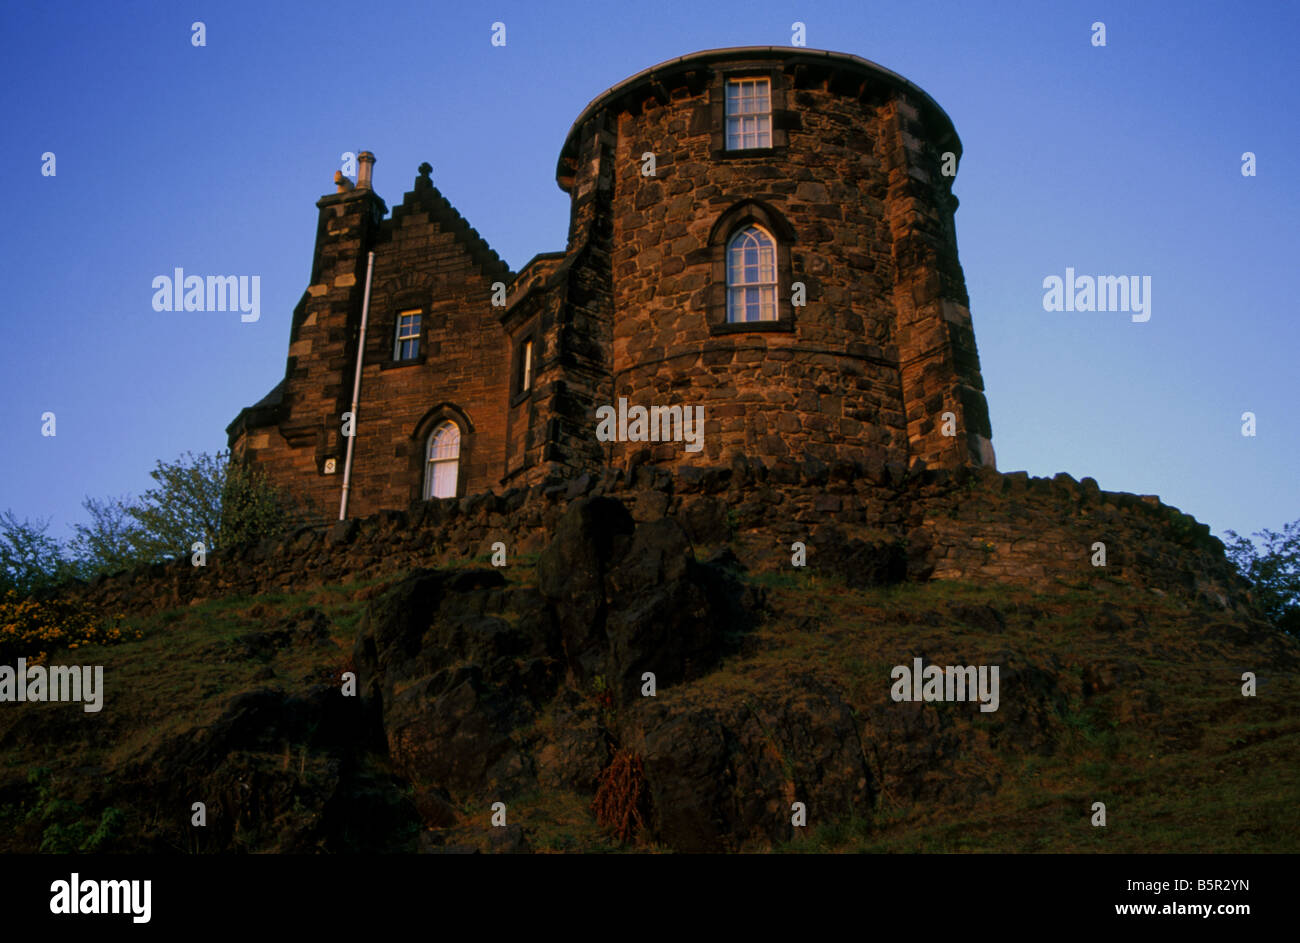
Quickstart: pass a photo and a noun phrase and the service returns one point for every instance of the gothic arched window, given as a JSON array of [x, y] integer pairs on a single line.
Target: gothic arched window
[[751, 276], [442, 463]]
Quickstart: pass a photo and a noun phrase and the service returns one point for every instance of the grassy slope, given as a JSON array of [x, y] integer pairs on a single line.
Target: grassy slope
[[1220, 775], [1208, 771]]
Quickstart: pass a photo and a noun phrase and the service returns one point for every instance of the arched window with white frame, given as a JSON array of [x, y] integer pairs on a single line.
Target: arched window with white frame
[[442, 464], [751, 276]]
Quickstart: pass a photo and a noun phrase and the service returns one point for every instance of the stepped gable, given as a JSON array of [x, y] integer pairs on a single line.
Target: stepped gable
[[425, 197]]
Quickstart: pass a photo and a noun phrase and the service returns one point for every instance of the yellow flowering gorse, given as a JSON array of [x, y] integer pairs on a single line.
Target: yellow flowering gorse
[[31, 629]]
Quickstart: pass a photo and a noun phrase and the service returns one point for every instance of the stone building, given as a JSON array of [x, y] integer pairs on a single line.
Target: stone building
[[765, 233]]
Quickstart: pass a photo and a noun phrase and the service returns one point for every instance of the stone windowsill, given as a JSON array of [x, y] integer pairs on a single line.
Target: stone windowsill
[[745, 327], [777, 150], [413, 362]]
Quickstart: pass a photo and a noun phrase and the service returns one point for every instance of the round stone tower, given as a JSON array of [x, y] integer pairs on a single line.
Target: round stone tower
[[767, 233]]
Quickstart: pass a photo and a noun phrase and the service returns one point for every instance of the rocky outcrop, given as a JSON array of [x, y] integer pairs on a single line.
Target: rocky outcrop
[[477, 686], [449, 664], [456, 667], [486, 690], [631, 598]]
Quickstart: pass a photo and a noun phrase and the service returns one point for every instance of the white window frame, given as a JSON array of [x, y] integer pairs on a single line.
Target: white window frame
[[760, 292], [447, 459], [748, 110], [417, 315], [526, 366]]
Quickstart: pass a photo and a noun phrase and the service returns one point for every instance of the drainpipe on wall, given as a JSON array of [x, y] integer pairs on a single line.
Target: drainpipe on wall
[[356, 389]]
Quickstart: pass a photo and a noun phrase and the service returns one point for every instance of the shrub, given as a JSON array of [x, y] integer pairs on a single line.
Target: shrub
[[214, 499], [110, 542], [1274, 570], [32, 628], [29, 559]]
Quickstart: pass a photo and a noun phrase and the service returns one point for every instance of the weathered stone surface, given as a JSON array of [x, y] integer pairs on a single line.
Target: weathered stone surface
[[631, 598], [970, 527], [447, 679], [480, 681], [877, 562], [877, 361], [571, 573]]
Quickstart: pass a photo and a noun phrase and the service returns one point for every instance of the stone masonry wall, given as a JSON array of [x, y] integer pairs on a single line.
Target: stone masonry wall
[[853, 192], [936, 340], [322, 343], [429, 259], [851, 189], [830, 387], [976, 525]]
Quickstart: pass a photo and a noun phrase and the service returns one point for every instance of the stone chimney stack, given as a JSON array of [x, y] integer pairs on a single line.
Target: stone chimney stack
[[365, 169], [323, 339]]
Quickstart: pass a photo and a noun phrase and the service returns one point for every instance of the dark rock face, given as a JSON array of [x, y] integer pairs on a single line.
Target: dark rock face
[[479, 688], [458, 667], [1032, 701], [571, 575], [448, 676], [454, 667], [277, 766], [631, 598], [860, 563], [720, 778]]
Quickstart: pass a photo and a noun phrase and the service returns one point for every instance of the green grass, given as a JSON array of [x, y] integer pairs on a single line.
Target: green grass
[[1182, 761], [1212, 781], [175, 678]]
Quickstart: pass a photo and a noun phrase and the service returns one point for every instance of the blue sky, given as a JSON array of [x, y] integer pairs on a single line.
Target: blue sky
[[1117, 160]]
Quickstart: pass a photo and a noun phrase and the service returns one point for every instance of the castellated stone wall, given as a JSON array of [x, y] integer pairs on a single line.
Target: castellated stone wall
[[865, 526]]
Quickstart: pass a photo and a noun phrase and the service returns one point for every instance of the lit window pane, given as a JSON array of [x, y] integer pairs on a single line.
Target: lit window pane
[[444, 480], [751, 276], [408, 336], [749, 113], [444, 461]]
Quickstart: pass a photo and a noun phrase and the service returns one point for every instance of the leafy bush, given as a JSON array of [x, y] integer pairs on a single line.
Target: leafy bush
[[209, 499], [1274, 570], [112, 822], [213, 499], [64, 829], [31, 628], [253, 509], [110, 542], [29, 559]]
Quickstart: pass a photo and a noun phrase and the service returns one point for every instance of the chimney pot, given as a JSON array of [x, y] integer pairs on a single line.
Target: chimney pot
[[365, 170]]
